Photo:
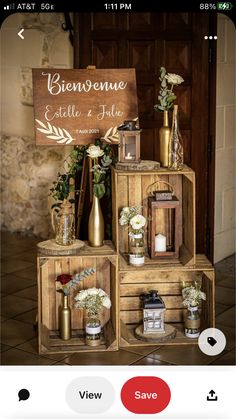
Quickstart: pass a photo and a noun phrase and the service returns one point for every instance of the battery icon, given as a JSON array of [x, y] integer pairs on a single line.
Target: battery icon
[[224, 6]]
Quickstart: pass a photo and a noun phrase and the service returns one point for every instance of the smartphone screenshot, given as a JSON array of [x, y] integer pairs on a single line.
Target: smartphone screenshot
[[118, 218]]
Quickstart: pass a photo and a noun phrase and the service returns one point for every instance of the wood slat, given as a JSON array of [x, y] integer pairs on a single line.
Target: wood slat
[[134, 303], [136, 316]]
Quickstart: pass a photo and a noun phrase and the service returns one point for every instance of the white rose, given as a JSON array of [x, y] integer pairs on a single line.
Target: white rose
[[101, 293], [106, 302], [174, 78], [137, 222], [94, 151], [92, 291], [81, 295]]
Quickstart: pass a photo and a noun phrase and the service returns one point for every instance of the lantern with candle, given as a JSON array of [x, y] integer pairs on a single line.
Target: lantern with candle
[[129, 147], [153, 312], [164, 226]]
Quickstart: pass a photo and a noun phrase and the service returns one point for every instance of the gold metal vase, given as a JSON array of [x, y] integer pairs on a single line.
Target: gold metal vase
[[65, 320], [164, 135], [96, 224]]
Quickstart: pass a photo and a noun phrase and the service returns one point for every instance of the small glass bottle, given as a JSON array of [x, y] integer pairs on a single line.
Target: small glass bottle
[[192, 322], [136, 249], [176, 156]]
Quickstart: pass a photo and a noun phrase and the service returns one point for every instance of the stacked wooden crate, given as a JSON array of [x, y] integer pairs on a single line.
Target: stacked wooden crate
[[104, 260], [131, 188]]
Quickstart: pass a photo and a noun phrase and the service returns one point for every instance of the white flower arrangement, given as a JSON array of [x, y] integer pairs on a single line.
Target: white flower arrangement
[[92, 299], [131, 217], [192, 295]]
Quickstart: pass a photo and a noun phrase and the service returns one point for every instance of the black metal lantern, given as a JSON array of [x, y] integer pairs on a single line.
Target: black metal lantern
[[129, 147], [153, 312]]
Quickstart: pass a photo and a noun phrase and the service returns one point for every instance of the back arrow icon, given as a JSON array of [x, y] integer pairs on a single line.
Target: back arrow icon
[[20, 34]]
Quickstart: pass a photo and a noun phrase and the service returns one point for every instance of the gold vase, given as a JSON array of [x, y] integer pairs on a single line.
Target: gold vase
[[164, 134], [96, 224], [65, 320]]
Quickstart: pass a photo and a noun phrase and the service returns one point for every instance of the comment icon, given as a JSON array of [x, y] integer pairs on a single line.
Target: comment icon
[[23, 394]]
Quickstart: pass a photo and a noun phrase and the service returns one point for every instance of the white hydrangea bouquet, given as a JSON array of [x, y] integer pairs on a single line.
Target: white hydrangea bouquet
[[192, 294], [166, 95], [92, 299], [131, 217]]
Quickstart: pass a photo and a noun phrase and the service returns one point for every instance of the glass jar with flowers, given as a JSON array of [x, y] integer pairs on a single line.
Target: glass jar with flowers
[[166, 100], [68, 282], [92, 300], [131, 217], [192, 296]]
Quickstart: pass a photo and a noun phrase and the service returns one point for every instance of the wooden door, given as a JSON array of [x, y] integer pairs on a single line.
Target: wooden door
[[147, 41]]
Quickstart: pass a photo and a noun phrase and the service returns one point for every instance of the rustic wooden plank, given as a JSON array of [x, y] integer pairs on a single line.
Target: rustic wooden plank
[[136, 316], [122, 201], [189, 228], [134, 303], [157, 276], [162, 288]]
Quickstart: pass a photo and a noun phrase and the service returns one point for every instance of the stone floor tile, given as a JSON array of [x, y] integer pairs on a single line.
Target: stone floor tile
[[31, 293], [229, 333], [28, 256], [12, 283], [32, 347], [10, 265], [227, 358], [150, 361], [225, 295], [120, 357], [227, 318], [2, 319], [3, 347], [181, 355], [227, 282], [30, 273], [17, 357], [13, 305], [28, 317], [14, 332], [220, 308], [141, 350]]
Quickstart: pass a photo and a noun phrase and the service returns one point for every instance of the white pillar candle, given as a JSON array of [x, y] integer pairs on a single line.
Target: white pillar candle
[[160, 243], [128, 157]]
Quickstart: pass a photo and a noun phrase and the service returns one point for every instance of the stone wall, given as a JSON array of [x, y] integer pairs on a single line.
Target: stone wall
[[225, 177], [28, 171]]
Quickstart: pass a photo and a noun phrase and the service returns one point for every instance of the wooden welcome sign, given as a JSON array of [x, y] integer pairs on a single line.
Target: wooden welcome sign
[[77, 106]]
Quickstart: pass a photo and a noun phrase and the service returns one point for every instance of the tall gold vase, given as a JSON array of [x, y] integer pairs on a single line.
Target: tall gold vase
[[164, 135], [96, 224], [65, 320]]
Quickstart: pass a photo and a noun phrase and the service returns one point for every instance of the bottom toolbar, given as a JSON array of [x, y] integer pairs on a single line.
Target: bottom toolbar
[[117, 392]]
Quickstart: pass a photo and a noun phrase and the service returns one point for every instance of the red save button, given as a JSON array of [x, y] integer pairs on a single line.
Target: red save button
[[145, 395]]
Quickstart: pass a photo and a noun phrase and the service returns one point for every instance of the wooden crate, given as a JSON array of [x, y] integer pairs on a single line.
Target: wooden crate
[[104, 260], [167, 282], [130, 188]]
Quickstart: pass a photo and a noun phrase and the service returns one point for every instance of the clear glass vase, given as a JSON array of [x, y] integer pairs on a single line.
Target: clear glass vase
[[192, 322], [176, 156], [93, 331], [136, 249]]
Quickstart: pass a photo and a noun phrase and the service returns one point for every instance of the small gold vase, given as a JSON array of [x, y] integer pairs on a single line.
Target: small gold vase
[[65, 320], [96, 224], [164, 134]]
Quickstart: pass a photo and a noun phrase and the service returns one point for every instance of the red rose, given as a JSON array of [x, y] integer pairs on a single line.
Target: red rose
[[64, 279]]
